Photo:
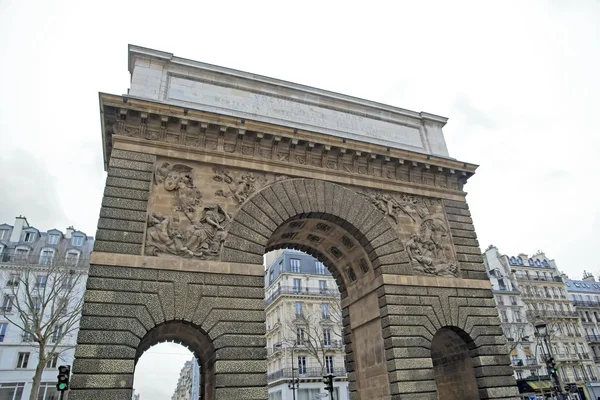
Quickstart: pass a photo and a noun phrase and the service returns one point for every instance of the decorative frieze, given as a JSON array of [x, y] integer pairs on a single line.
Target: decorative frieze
[[261, 145]]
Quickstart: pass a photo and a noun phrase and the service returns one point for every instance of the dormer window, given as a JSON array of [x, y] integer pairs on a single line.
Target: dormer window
[[29, 237], [53, 239], [72, 257], [77, 240], [47, 257], [3, 234]]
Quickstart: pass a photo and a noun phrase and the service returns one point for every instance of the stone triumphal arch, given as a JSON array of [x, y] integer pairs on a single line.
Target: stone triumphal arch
[[209, 168]]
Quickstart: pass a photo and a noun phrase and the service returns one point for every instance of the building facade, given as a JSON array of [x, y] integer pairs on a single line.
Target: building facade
[[188, 383], [26, 250], [304, 328], [529, 289], [585, 296]]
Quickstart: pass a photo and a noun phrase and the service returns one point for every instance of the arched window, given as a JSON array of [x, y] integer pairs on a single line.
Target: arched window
[[47, 256]]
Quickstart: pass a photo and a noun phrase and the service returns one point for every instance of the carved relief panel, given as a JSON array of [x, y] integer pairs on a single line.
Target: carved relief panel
[[422, 227], [192, 206]]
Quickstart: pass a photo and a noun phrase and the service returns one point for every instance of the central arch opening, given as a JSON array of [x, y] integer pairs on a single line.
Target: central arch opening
[[313, 263]]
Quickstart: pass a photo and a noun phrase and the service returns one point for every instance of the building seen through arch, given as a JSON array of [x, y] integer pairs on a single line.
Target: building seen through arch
[[210, 168]]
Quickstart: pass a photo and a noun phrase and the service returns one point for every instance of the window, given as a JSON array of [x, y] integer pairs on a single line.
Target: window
[[77, 240], [325, 311], [503, 316], [513, 300], [52, 361], [37, 303], [297, 285], [320, 268], [13, 280], [301, 365], [7, 303], [46, 257], [21, 254], [3, 327], [329, 364], [300, 336], [72, 257], [29, 237], [327, 337], [271, 275], [48, 391], [3, 234], [295, 265], [41, 281], [53, 239], [22, 360], [57, 334], [322, 286], [299, 309], [11, 390]]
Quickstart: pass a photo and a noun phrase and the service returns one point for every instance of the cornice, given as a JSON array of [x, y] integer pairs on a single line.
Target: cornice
[[358, 159]]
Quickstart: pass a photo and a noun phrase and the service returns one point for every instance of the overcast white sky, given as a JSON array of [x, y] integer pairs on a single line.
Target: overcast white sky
[[518, 80]]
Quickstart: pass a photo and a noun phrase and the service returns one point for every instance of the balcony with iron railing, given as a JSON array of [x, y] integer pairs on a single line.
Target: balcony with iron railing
[[593, 338], [286, 373], [552, 314], [566, 357], [12, 257], [300, 345], [585, 303], [300, 291]]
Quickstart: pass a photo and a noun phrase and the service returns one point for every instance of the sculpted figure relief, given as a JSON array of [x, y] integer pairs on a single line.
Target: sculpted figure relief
[[241, 185], [429, 246], [192, 230], [239, 188]]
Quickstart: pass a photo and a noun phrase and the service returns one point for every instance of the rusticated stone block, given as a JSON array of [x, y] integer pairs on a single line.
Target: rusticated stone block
[[116, 247], [233, 255], [107, 271], [114, 182], [104, 351], [241, 366], [128, 215], [125, 204], [409, 363], [507, 392], [130, 174], [463, 233], [461, 226], [120, 225], [242, 353], [128, 164], [459, 241], [119, 236], [133, 156], [459, 218], [457, 211], [472, 258], [102, 381], [108, 337], [240, 341], [241, 380], [411, 375], [456, 204], [96, 366], [251, 393], [413, 386], [107, 394], [245, 246], [126, 193]]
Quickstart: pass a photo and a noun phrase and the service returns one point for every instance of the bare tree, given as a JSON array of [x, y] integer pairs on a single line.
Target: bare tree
[[45, 304], [316, 331]]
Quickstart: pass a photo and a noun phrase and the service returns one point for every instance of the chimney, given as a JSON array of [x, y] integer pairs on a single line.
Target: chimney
[[70, 231], [20, 224], [588, 277]]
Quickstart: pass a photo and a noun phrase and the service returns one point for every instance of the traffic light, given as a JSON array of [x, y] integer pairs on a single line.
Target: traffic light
[[328, 381], [551, 366], [64, 372]]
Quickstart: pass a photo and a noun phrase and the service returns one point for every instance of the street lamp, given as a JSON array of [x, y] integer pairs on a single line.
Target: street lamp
[[294, 382], [541, 329]]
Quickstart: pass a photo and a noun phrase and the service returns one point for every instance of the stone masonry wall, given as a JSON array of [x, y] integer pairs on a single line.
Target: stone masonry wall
[[123, 305], [123, 214]]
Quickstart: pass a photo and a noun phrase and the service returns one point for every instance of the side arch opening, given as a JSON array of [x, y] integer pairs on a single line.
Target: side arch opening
[[452, 365], [192, 337]]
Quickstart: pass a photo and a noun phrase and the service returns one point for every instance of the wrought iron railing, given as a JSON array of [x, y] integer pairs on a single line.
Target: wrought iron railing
[[13, 257], [324, 292], [286, 373]]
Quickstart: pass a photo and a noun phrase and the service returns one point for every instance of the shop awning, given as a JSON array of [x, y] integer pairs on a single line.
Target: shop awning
[[539, 385]]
